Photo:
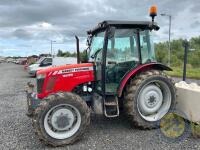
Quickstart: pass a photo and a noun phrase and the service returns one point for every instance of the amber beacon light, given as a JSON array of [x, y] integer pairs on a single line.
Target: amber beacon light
[[153, 12]]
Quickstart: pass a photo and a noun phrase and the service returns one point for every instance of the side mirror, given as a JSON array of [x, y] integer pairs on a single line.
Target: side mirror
[[89, 40], [111, 32]]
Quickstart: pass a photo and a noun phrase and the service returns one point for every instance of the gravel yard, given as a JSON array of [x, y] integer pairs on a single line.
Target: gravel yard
[[16, 131]]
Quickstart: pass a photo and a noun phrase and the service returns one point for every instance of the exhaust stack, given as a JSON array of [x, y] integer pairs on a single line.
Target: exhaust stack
[[77, 48]]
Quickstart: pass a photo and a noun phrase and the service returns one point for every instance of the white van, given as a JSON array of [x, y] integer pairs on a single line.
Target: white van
[[46, 62]]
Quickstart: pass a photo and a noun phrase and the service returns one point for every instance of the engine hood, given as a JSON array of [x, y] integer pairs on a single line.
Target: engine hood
[[66, 68]]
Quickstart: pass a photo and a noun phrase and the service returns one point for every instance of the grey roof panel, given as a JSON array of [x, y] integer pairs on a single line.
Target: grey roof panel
[[124, 24]]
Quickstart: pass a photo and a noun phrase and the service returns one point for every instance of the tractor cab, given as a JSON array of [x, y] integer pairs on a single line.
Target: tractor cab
[[117, 47]]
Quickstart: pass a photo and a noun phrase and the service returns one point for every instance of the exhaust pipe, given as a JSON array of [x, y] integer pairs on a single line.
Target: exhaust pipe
[[77, 48]]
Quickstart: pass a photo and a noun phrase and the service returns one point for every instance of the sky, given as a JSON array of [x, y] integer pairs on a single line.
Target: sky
[[28, 26]]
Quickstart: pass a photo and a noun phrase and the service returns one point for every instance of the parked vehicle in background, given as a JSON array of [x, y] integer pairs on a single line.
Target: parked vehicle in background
[[26, 66], [10, 60], [2, 59], [32, 59], [46, 62], [21, 61], [41, 63]]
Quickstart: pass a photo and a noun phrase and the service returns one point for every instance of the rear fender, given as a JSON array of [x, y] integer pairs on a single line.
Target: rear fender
[[141, 68]]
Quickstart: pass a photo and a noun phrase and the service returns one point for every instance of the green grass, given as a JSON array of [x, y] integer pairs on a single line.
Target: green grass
[[193, 73]]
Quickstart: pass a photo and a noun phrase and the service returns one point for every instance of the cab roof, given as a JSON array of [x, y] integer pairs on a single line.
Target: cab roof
[[124, 24]]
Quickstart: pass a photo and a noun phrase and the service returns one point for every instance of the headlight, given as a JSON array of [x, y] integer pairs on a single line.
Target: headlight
[[41, 76]]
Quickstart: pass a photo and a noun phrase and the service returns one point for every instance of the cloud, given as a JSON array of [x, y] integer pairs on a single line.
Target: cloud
[[35, 22], [195, 6], [22, 34], [195, 24]]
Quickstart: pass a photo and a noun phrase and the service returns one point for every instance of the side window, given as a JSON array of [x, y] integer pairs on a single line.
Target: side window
[[147, 48], [122, 47]]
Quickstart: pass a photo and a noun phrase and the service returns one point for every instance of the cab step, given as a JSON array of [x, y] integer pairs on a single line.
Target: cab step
[[111, 106], [110, 103]]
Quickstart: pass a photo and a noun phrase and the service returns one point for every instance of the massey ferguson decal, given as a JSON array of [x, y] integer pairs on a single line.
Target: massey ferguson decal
[[68, 75], [72, 70]]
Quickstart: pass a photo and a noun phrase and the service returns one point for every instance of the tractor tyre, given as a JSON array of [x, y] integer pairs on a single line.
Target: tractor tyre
[[61, 119], [148, 97]]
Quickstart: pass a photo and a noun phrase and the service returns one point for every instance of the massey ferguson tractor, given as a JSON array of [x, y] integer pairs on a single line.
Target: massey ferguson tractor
[[120, 76]]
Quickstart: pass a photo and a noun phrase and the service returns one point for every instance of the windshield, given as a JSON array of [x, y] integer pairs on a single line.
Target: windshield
[[96, 45], [40, 60]]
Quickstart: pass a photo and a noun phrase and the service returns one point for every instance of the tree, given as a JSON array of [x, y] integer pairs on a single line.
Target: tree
[[60, 53], [177, 52], [83, 56]]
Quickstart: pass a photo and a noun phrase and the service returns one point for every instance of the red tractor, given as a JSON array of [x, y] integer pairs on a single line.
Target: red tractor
[[121, 75]]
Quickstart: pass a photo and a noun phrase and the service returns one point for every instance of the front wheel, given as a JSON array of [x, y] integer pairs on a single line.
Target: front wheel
[[62, 119], [148, 97]]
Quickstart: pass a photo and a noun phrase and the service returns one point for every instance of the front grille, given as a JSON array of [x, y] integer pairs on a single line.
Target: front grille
[[51, 83], [40, 83]]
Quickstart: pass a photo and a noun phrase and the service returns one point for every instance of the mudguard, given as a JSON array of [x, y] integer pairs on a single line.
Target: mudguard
[[143, 67]]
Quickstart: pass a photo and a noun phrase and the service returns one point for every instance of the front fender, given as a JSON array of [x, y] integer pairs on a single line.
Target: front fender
[[141, 68]]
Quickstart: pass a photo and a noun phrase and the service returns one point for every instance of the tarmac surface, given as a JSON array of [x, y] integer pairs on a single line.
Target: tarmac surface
[[16, 131]]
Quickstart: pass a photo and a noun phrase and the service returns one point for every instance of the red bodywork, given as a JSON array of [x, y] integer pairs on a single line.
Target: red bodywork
[[65, 78], [153, 65]]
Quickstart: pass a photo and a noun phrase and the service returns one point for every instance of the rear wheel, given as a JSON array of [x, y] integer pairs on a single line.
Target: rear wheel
[[148, 97], [62, 119]]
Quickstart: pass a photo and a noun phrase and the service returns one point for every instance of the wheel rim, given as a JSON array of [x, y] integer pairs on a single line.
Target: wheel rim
[[154, 100], [62, 121]]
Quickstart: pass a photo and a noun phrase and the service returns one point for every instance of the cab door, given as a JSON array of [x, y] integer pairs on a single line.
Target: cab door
[[122, 55], [96, 56]]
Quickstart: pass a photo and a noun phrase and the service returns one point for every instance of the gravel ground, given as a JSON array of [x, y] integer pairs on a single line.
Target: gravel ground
[[16, 131]]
